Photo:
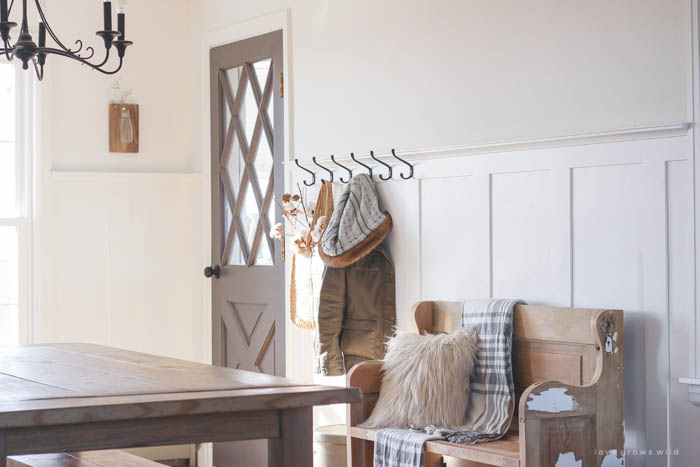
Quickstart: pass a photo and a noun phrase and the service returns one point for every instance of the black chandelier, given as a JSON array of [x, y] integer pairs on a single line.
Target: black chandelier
[[26, 50]]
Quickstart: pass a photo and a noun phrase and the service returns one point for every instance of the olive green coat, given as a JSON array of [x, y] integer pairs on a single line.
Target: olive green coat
[[357, 313]]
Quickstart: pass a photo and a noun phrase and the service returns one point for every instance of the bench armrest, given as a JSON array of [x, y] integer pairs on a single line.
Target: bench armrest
[[367, 377], [557, 419], [551, 399], [560, 419]]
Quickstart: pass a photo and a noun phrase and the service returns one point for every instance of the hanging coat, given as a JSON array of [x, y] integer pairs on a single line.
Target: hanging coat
[[357, 313]]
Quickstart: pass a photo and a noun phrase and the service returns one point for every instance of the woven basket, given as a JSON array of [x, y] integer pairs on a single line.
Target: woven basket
[[307, 271]]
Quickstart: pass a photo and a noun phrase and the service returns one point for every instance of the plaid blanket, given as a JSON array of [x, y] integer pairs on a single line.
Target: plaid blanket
[[395, 447], [492, 396], [491, 399]]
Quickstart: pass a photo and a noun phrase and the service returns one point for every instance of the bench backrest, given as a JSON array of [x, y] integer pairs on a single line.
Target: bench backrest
[[549, 343]]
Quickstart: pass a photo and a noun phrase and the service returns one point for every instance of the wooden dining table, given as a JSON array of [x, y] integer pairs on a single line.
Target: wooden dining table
[[74, 397]]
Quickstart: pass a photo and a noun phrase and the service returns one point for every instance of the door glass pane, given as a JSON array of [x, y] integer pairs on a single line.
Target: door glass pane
[[224, 132], [263, 166], [264, 257], [9, 296], [228, 228], [249, 187], [249, 215], [262, 68], [271, 110], [230, 166]]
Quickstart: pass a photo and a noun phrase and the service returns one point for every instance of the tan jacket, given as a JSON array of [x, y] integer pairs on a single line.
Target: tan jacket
[[357, 313]]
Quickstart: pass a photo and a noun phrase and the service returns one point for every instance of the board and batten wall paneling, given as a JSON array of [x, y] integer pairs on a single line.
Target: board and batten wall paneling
[[402, 201], [619, 261], [531, 236], [685, 419], [600, 225], [605, 224], [120, 262], [455, 239]]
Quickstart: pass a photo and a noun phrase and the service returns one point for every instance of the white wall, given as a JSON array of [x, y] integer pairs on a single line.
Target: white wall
[[416, 74], [119, 234], [160, 70], [600, 225], [118, 265]]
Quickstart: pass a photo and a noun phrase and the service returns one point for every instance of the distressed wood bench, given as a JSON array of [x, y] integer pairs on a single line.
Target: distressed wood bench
[[568, 372], [110, 458]]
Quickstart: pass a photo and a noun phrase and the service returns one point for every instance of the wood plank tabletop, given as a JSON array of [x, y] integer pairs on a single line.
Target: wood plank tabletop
[[70, 383]]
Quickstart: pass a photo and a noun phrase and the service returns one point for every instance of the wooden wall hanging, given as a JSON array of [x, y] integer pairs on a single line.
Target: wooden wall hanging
[[124, 128]]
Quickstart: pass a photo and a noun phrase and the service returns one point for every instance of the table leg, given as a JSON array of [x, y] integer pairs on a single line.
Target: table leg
[[294, 447]]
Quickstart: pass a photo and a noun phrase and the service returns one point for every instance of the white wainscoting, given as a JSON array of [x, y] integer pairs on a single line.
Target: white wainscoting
[[120, 262], [120, 265], [606, 224]]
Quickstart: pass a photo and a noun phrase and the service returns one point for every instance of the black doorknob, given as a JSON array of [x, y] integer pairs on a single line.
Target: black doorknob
[[212, 271]]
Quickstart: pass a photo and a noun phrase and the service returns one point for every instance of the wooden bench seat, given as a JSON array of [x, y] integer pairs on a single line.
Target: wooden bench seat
[[504, 452], [568, 373], [110, 458]]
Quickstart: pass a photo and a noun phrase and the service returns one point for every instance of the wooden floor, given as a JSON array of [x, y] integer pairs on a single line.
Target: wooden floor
[[504, 452]]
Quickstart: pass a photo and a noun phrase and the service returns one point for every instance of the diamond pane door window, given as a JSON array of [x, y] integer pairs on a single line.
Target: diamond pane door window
[[247, 179], [247, 175]]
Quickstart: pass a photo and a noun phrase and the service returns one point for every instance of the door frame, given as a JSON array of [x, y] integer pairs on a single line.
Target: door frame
[[236, 32]]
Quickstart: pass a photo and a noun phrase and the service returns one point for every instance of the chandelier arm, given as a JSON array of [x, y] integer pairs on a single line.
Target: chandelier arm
[[9, 48], [91, 51], [9, 10], [104, 62], [74, 56], [79, 45], [53, 35], [39, 69], [64, 53]]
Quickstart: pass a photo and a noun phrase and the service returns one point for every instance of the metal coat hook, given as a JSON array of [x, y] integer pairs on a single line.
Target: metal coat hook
[[388, 177], [313, 175], [393, 152], [330, 172], [369, 169], [342, 166]]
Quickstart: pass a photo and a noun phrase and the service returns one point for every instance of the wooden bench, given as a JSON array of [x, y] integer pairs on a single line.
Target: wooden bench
[[109, 458], [568, 372]]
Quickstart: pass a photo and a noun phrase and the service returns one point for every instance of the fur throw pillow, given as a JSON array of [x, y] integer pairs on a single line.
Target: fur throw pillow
[[425, 380]]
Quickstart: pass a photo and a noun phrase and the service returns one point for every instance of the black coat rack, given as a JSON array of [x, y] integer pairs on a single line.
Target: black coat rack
[[370, 171]]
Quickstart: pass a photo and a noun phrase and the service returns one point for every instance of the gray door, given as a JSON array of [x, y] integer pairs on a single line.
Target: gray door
[[247, 141]]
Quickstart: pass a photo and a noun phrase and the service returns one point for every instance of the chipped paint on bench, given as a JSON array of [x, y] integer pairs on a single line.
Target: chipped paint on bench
[[612, 459], [552, 400], [568, 459]]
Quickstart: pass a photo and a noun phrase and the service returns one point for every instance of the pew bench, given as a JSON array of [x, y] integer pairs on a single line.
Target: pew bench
[[568, 372], [109, 458]]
